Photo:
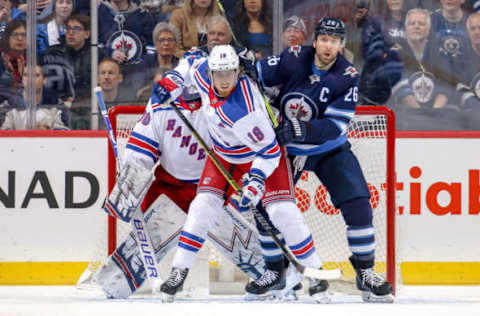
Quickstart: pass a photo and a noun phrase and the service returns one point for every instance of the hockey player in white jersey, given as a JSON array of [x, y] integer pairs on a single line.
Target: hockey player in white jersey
[[161, 135], [244, 141]]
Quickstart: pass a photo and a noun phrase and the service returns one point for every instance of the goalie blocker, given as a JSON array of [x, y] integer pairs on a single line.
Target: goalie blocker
[[132, 183]]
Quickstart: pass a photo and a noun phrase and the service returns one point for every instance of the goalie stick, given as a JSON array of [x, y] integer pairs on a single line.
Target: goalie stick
[[142, 237], [306, 271]]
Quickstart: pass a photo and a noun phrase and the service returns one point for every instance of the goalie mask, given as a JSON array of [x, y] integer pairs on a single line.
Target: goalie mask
[[223, 64]]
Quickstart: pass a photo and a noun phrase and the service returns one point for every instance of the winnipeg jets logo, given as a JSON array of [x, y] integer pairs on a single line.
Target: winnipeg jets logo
[[297, 105], [296, 49], [297, 109], [423, 86], [314, 78], [128, 43], [451, 45], [350, 71]]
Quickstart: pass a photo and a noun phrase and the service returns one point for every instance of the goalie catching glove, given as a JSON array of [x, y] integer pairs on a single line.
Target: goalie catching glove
[[253, 188], [290, 130], [132, 184]]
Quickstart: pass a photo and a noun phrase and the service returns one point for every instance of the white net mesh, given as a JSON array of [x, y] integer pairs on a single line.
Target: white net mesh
[[367, 134]]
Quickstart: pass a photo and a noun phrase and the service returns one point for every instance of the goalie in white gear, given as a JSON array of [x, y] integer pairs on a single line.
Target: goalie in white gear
[[161, 135], [243, 140]]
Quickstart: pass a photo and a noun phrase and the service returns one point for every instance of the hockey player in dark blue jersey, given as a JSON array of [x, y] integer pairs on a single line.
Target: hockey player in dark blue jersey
[[318, 96]]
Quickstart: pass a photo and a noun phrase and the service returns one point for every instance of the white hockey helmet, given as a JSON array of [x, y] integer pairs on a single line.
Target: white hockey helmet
[[223, 57]]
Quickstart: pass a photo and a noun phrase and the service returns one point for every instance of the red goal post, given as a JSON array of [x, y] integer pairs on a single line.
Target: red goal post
[[372, 135]]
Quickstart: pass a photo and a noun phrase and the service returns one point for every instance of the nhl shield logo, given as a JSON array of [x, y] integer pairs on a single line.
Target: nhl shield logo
[[128, 43]]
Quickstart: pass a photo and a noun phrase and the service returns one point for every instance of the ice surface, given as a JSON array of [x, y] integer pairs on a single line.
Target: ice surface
[[67, 300]]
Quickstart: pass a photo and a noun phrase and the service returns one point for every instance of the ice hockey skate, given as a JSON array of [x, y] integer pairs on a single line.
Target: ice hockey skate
[[293, 284], [173, 284], [317, 289], [268, 286], [374, 288]]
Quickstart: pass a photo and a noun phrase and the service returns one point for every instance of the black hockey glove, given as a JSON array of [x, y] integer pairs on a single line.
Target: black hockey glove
[[290, 130], [247, 62]]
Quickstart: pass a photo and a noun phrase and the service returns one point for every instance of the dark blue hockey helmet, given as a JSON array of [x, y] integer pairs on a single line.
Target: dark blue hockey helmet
[[330, 26]]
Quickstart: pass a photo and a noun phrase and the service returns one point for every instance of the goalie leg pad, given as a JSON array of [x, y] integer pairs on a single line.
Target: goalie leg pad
[[123, 273], [289, 221], [237, 243], [132, 184]]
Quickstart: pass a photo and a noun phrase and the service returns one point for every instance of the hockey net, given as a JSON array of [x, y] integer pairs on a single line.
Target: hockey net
[[371, 134]]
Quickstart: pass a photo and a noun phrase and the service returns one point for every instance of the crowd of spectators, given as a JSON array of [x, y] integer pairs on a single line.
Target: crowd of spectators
[[419, 57]]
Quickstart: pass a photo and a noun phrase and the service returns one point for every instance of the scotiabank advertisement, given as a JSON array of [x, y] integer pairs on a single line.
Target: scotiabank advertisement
[[438, 189], [52, 186]]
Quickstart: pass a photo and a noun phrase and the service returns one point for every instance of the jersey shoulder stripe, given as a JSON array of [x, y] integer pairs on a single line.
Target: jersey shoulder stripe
[[201, 77], [142, 151], [247, 93], [232, 152], [145, 139], [143, 145], [225, 119]]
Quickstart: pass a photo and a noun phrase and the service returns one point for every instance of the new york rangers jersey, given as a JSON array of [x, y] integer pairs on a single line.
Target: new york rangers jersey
[[239, 127], [161, 134], [326, 99]]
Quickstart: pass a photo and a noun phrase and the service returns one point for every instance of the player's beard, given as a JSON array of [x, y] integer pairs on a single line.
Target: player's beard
[[323, 62]]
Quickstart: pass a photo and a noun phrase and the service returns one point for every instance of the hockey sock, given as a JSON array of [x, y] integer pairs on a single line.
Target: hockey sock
[[289, 221], [361, 241], [188, 246], [272, 254]]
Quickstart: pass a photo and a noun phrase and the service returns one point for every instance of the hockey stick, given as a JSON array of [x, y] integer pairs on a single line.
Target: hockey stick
[[259, 84], [306, 271], [144, 243]]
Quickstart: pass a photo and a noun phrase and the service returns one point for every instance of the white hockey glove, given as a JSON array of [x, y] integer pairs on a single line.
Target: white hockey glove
[[234, 203], [253, 188], [129, 190]]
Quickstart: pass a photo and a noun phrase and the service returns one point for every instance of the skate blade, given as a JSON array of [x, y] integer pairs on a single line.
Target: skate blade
[[322, 297], [288, 293], [369, 297], [289, 296], [167, 298], [270, 295]]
